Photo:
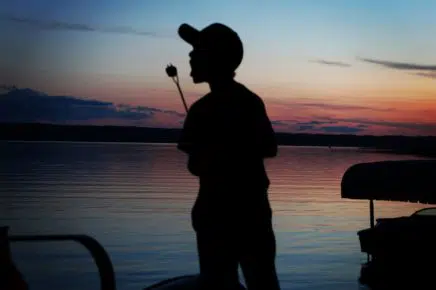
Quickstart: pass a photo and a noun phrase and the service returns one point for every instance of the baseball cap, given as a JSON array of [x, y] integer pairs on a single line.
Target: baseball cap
[[218, 39]]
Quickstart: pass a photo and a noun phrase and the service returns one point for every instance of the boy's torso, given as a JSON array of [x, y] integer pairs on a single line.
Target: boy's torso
[[224, 124]]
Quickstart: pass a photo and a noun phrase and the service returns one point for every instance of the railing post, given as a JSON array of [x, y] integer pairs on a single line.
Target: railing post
[[101, 258], [371, 220], [371, 212]]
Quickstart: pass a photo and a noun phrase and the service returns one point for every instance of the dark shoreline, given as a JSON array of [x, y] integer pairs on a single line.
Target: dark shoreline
[[421, 146]]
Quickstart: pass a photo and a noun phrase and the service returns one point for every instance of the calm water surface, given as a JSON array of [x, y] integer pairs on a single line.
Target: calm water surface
[[136, 200]]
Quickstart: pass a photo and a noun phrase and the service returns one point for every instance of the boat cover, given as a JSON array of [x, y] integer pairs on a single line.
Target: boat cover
[[405, 180]]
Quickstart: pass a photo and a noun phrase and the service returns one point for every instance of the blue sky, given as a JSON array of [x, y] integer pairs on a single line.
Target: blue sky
[[283, 40]]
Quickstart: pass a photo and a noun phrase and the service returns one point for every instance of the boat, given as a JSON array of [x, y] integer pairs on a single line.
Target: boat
[[398, 249], [101, 258]]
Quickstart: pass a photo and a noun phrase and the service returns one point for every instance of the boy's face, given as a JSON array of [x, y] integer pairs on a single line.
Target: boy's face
[[200, 65], [206, 64]]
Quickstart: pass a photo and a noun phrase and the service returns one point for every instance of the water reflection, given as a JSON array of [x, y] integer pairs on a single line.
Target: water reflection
[[136, 199]]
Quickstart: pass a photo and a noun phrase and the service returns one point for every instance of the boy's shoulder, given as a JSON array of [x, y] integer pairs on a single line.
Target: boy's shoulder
[[241, 95], [200, 103], [250, 97]]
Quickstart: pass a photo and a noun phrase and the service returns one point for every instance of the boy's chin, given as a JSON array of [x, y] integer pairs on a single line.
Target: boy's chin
[[198, 81], [198, 78]]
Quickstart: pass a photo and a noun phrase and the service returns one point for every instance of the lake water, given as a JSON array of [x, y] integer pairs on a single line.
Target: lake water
[[136, 199]]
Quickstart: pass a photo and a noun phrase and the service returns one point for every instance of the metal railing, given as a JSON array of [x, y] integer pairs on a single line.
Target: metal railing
[[100, 256]]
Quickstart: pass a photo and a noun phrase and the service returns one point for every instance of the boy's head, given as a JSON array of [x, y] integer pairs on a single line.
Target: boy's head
[[217, 51]]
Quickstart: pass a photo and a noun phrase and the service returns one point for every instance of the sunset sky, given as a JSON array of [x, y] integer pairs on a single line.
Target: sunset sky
[[336, 66]]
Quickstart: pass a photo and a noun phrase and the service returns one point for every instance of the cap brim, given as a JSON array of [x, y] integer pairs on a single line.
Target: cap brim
[[188, 33]]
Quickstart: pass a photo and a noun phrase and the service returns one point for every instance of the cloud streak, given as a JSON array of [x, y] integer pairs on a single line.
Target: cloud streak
[[327, 127], [26, 105], [332, 125], [82, 27], [7, 87], [149, 110], [404, 125], [344, 107], [431, 75], [318, 126], [399, 65], [309, 103], [342, 129], [331, 63]]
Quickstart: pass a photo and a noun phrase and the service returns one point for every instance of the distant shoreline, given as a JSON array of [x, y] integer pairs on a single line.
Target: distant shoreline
[[420, 146], [359, 149], [151, 143]]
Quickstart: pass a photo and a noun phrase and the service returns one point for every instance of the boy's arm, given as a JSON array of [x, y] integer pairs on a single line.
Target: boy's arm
[[265, 137], [186, 138]]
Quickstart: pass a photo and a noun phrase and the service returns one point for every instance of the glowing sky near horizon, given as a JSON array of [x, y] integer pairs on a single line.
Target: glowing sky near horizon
[[365, 67]]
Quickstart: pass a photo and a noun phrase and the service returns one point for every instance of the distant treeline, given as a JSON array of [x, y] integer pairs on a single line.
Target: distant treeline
[[49, 132]]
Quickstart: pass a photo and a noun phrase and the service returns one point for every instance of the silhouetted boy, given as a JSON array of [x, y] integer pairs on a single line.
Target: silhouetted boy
[[227, 134]]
